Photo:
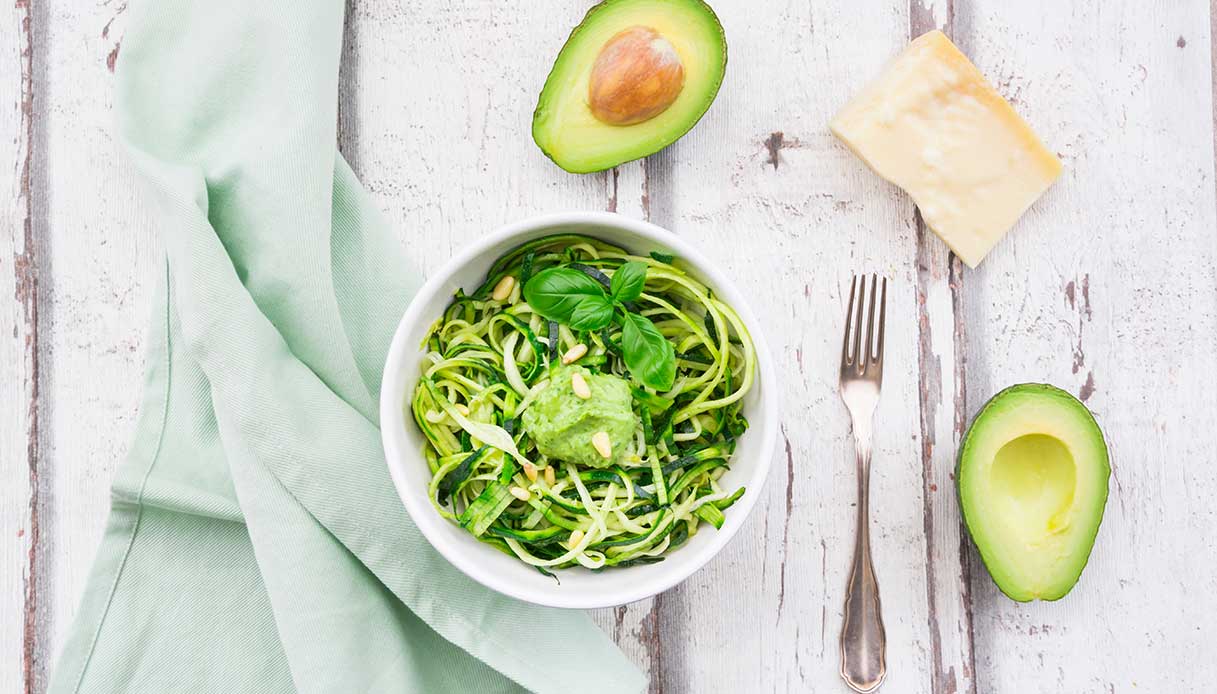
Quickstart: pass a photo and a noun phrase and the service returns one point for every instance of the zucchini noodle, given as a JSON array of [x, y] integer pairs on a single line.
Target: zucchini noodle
[[486, 362]]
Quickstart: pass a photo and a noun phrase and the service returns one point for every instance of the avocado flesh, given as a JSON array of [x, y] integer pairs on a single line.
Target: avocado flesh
[[563, 125], [1032, 482]]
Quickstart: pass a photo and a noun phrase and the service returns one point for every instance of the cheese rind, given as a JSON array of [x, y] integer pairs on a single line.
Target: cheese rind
[[934, 126]]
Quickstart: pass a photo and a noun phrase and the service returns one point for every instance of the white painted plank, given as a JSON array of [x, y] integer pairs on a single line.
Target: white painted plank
[[1108, 288], [766, 191], [942, 375], [16, 386], [97, 263], [444, 118], [444, 181], [635, 628]]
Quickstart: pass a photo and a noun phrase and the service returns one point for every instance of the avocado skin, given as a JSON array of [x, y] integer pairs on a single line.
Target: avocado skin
[[668, 139], [1039, 390]]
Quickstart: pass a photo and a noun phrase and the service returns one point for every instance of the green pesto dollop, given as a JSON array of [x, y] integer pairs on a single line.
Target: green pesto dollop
[[561, 423]]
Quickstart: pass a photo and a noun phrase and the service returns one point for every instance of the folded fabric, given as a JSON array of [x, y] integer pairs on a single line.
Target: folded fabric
[[255, 542]]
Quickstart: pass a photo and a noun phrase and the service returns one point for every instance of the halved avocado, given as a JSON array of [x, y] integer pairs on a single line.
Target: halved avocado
[[1032, 481], [633, 77]]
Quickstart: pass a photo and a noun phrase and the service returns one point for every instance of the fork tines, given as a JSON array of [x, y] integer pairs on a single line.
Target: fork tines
[[852, 355]]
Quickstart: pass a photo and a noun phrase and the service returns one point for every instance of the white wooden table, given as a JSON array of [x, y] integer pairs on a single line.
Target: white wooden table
[[1107, 288]]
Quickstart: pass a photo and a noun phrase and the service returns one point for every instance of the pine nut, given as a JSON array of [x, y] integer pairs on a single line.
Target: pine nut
[[462, 409], [574, 353], [579, 385], [576, 536], [520, 493], [602, 444], [502, 290], [530, 471], [550, 477]]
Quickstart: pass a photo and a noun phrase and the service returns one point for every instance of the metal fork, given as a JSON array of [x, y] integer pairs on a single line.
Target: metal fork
[[863, 641]]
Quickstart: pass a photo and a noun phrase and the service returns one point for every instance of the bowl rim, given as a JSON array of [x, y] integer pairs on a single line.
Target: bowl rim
[[392, 401]]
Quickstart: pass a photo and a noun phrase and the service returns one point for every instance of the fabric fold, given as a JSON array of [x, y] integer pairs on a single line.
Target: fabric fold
[[255, 542]]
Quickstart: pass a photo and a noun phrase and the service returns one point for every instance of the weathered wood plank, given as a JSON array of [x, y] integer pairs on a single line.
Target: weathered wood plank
[[636, 628], [96, 262], [443, 121], [1108, 288], [765, 190], [23, 570], [941, 369], [488, 171]]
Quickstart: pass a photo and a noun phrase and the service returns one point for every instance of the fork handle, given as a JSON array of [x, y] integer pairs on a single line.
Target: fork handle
[[863, 640]]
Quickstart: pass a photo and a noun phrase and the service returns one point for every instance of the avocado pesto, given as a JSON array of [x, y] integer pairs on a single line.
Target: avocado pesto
[[562, 424], [582, 405]]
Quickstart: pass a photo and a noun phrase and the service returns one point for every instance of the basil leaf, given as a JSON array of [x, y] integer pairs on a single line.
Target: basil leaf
[[628, 281], [648, 355], [593, 313], [556, 292]]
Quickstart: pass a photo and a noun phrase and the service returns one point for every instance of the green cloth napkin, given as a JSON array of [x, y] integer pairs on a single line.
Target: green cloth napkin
[[255, 542]]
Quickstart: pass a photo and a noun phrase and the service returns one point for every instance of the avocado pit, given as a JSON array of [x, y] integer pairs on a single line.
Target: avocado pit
[[637, 76]]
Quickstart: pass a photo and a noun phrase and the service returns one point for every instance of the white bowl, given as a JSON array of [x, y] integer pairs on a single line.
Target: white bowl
[[578, 587]]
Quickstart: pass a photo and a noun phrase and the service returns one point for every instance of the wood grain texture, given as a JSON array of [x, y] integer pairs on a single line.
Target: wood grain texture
[[772, 196], [791, 215], [24, 478], [1108, 288], [637, 628], [91, 254], [16, 494], [941, 366]]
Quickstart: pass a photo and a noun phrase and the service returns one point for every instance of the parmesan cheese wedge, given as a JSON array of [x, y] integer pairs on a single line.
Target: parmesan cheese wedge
[[934, 126]]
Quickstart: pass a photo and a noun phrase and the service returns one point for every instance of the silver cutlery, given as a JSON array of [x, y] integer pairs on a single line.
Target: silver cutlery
[[863, 641]]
